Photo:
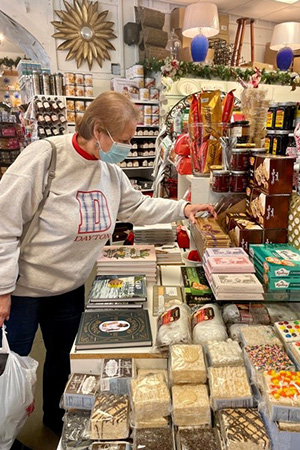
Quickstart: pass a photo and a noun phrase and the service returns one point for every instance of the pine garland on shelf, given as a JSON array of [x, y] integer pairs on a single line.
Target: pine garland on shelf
[[179, 69], [9, 63]]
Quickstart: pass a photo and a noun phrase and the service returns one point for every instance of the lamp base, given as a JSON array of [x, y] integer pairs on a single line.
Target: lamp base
[[284, 58], [199, 48]]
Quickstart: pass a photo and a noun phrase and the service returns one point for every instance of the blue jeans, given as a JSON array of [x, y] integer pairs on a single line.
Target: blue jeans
[[59, 318]]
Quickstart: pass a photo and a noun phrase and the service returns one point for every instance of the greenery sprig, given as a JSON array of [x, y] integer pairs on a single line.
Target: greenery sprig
[[9, 62], [179, 69]]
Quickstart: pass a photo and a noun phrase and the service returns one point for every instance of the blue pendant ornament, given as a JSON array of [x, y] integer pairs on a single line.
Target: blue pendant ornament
[[199, 48], [284, 58]]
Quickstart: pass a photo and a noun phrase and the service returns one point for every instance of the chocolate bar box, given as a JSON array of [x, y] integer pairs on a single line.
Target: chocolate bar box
[[272, 174], [269, 211], [277, 260], [243, 230]]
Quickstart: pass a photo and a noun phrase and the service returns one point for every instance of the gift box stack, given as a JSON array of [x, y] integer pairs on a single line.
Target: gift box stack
[[278, 268], [267, 203], [207, 233], [231, 274]]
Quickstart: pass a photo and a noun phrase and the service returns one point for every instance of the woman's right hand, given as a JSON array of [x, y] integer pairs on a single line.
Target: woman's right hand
[[5, 303]]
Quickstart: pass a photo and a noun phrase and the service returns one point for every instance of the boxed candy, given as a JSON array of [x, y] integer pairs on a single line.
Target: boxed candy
[[272, 174], [243, 429], [277, 260], [191, 405], [110, 417], [187, 364], [269, 211], [282, 395], [229, 387], [288, 330], [80, 391], [243, 230], [259, 335], [196, 438]]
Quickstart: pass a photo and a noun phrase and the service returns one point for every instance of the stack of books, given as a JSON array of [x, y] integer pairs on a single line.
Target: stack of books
[[154, 234], [117, 291], [128, 260], [231, 275], [207, 233], [277, 266], [168, 254]]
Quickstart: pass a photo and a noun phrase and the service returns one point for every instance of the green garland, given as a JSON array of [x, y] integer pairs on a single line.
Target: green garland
[[225, 73], [9, 63]]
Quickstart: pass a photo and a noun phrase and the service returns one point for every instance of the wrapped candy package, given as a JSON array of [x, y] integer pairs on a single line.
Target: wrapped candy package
[[187, 364], [150, 398], [116, 445], [174, 327], [229, 387], [153, 439], [243, 429], [252, 313], [227, 353], [266, 357], [75, 433], [259, 335], [282, 395], [208, 325], [196, 438], [110, 417], [191, 405]]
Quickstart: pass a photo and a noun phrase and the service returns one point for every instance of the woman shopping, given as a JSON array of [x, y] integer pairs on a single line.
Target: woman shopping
[[43, 284]]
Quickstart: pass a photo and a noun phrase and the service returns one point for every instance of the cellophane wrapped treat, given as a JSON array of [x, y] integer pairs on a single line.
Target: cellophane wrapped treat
[[208, 325], [153, 439], [110, 417], [282, 395], [259, 335], [227, 353], [150, 398], [266, 357], [174, 327], [251, 313], [243, 429], [191, 405], [229, 387], [196, 438], [254, 106], [116, 445], [76, 433], [187, 365]]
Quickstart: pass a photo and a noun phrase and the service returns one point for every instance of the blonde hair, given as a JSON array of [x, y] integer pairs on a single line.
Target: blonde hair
[[109, 111]]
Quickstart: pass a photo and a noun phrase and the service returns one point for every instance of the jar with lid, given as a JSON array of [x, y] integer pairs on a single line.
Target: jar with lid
[[220, 180], [291, 149], [240, 159], [269, 141], [280, 142], [271, 116], [241, 130], [285, 115], [239, 181]]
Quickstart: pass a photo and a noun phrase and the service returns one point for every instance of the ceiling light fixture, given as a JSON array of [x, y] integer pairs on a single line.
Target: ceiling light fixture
[[1, 39]]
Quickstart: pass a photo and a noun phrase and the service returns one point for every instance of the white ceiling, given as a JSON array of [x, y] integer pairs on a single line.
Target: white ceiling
[[256, 9]]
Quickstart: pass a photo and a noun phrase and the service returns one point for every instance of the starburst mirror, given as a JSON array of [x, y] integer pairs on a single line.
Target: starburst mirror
[[85, 31]]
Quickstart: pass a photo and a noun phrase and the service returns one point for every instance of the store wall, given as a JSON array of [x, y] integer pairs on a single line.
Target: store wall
[[37, 20]]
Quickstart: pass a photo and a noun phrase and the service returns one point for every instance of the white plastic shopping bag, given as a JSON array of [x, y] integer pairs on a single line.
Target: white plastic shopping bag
[[16, 393]]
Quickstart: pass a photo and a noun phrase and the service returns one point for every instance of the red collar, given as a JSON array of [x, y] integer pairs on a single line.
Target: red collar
[[80, 150]]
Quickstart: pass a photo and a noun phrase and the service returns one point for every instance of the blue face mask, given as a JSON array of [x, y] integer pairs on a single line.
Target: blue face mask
[[117, 153]]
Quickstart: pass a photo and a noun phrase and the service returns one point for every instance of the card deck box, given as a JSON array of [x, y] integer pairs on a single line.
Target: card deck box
[[269, 211], [272, 174], [243, 230], [277, 260]]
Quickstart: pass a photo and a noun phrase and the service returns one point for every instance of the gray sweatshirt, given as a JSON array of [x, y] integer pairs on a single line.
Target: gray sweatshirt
[[85, 200]]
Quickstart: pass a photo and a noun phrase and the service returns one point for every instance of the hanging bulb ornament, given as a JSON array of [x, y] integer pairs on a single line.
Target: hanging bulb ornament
[[173, 44]]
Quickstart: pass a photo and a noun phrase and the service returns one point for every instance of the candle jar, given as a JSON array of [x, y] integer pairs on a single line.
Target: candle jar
[[239, 181], [220, 180], [240, 159]]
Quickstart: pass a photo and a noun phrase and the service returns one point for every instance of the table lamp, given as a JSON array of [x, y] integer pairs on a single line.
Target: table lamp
[[200, 21], [285, 39]]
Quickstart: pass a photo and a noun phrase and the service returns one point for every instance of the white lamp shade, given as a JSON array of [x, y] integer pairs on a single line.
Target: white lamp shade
[[200, 17], [286, 34]]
